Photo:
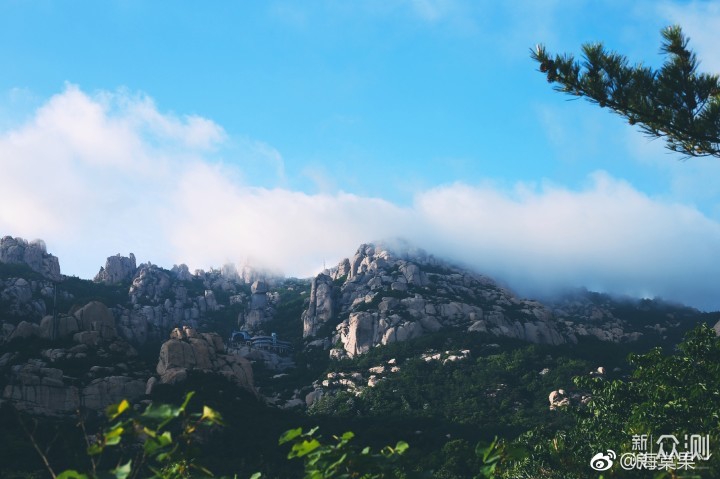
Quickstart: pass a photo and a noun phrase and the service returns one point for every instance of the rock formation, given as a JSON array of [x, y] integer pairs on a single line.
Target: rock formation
[[181, 272], [117, 269], [189, 350], [25, 298], [384, 296], [39, 385], [161, 300], [322, 305], [34, 254], [260, 307]]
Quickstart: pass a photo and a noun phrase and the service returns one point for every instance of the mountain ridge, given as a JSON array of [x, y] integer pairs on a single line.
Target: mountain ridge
[[377, 297]]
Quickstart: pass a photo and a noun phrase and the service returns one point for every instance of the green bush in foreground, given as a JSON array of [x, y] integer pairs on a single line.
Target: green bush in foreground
[[158, 443], [340, 460], [666, 394]]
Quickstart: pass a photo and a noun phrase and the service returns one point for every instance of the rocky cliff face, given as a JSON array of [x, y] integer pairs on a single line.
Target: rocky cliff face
[[189, 350], [99, 368], [55, 364], [321, 308], [161, 300], [25, 298], [34, 254], [117, 269], [84, 364], [380, 296], [260, 309]]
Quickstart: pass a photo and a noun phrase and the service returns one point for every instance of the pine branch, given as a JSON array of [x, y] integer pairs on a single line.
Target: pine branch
[[674, 103]]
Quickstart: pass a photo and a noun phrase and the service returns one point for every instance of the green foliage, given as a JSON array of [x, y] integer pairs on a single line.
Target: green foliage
[[19, 270], [492, 392], [494, 454], [285, 321], [674, 394], [340, 459], [675, 102], [155, 443], [84, 291], [458, 460]]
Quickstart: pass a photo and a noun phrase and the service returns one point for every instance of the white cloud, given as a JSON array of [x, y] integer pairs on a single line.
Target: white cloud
[[218, 220], [190, 131], [607, 236], [91, 173], [98, 175]]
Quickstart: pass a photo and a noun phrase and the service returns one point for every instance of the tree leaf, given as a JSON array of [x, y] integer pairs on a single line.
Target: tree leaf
[[123, 471], [114, 410], [289, 435]]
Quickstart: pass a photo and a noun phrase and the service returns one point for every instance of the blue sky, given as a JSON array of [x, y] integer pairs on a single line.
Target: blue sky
[[287, 133]]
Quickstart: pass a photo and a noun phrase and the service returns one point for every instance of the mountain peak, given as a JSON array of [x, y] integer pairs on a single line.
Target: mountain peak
[[31, 253]]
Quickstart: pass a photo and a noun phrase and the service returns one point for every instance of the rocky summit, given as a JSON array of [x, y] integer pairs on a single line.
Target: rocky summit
[[117, 269], [391, 339], [62, 350], [382, 295], [67, 343], [33, 254]]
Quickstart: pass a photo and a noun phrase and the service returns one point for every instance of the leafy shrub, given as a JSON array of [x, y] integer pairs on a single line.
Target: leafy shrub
[[156, 443]]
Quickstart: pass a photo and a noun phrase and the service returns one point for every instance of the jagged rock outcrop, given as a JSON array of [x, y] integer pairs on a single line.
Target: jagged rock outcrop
[[258, 290], [181, 272], [382, 295], [24, 330], [117, 269], [322, 303], [33, 253], [92, 323], [260, 307], [162, 300], [387, 296], [41, 390], [189, 350], [25, 298], [96, 317], [150, 284], [40, 386], [63, 326], [558, 399]]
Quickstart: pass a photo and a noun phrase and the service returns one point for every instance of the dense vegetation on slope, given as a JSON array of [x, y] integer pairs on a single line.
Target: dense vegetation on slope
[[442, 407]]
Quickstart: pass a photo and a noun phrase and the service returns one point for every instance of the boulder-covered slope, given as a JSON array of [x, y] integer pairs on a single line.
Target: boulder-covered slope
[[59, 337], [68, 344], [188, 350], [69, 362], [381, 295]]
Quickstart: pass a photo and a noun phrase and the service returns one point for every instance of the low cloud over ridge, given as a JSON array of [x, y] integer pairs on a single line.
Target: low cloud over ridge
[[95, 175]]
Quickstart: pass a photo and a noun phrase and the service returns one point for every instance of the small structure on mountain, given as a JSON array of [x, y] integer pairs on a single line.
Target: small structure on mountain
[[243, 338]]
